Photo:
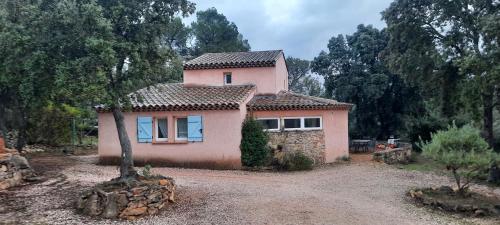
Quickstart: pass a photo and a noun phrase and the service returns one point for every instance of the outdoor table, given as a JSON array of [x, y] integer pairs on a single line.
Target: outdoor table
[[360, 144]]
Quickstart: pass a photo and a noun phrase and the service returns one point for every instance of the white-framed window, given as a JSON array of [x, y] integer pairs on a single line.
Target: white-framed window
[[270, 124], [302, 123], [181, 128], [312, 123], [228, 78], [292, 123], [161, 129]]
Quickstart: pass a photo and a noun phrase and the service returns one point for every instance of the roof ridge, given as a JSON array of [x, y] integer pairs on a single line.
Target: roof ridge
[[214, 60], [271, 50], [314, 97]]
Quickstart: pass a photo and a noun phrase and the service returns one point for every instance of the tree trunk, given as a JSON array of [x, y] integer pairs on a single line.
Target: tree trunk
[[22, 131], [127, 170], [488, 106], [457, 179], [3, 128]]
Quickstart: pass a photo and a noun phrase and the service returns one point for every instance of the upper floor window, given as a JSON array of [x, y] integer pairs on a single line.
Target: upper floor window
[[228, 79]]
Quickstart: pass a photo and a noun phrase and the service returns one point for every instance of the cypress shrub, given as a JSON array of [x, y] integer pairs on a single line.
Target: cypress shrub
[[254, 149]]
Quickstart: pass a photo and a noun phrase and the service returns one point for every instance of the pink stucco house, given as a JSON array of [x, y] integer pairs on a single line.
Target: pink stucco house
[[197, 123]]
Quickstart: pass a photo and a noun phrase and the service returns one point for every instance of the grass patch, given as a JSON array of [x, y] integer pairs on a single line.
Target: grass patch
[[424, 164]]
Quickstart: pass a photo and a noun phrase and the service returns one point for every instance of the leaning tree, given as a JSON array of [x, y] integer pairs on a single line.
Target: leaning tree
[[134, 56]]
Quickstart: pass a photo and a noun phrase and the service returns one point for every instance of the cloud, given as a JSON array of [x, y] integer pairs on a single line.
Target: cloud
[[301, 28]]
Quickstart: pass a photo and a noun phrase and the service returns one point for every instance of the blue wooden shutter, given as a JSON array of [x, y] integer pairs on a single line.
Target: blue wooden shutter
[[195, 128], [144, 129]]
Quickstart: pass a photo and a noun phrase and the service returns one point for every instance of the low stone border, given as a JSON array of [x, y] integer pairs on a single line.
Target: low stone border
[[14, 169], [113, 200], [394, 155], [444, 198]]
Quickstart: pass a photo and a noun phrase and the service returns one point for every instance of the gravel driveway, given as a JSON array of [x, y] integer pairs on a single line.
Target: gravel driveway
[[346, 193]]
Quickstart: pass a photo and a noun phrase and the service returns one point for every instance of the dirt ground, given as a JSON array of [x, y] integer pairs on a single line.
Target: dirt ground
[[358, 192]]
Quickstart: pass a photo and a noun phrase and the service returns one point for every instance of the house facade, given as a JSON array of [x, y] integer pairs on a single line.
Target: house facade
[[197, 123]]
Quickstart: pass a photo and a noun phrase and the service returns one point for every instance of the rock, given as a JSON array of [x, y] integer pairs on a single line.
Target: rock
[[463, 208], [122, 201], [92, 206], [20, 162], [479, 213], [171, 197], [154, 197], [445, 190], [165, 182], [152, 211], [137, 191], [133, 211], [33, 179], [111, 207]]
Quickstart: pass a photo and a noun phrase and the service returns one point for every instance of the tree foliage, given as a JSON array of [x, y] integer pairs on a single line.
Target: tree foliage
[[46, 52], [300, 79], [355, 72], [448, 46], [254, 149], [214, 33], [461, 150]]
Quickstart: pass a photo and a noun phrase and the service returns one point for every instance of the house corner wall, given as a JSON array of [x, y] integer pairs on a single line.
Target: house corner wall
[[336, 135], [281, 74]]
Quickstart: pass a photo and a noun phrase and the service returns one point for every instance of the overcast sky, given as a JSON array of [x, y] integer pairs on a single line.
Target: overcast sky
[[301, 28]]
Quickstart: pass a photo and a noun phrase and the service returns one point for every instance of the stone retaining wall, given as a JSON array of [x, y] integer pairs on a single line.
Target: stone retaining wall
[[111, 200], [13, 169], [311, 143], [394, 155]]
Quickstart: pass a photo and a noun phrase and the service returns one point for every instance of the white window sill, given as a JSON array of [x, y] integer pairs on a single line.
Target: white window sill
[[302, 129]]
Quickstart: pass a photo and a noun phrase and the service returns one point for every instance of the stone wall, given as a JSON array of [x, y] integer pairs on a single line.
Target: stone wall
[[13, 169], [310, 142], [394, 155], [113, 200]]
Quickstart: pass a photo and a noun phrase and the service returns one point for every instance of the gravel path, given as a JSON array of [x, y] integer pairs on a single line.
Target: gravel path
[[350, 193]]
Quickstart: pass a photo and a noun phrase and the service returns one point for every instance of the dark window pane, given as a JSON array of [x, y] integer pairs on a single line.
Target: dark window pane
[[269, 124], [292, 123], [182, 128], [312, 122], [227, 78], [162, 128]]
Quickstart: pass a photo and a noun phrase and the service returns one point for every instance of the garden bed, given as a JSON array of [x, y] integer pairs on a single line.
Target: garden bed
[[469, 204]]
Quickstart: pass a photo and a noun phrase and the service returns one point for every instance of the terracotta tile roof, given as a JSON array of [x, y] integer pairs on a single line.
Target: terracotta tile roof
[[180, 97], [286, 100], [234, 60]]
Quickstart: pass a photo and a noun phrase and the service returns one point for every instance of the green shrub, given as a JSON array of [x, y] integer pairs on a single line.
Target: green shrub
[[254, 149], [345, 158], [51, 125], [146, 171], [463, 151], [295, 162]]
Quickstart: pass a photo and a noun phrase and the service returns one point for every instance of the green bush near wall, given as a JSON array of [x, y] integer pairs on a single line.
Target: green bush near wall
[[254, 149], [296, 161]]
